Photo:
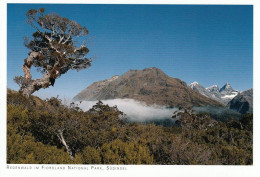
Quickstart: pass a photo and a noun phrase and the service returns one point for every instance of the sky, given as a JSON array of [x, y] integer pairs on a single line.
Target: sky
[[210, 44]]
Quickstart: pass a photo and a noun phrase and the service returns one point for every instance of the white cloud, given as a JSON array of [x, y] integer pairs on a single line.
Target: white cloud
[[135, 111]]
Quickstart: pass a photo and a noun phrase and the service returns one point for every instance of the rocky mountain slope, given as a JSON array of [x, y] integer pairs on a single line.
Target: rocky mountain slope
[[199, 88], [94, 91], [223, 95], [150, 85], [243, 102], [211, 92]]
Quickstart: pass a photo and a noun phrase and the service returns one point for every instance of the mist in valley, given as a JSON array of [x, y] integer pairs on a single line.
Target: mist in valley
[[218, 113], [135, 111], [140, 112]]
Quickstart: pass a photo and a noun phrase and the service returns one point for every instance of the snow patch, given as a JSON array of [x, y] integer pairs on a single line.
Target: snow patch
[[230, 96], [193, 84], [113, 78], [213, 86]]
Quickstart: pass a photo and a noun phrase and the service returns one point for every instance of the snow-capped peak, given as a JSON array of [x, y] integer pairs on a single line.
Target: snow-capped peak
[[211, 87], [193, 84], [227, 85], [226, 88]]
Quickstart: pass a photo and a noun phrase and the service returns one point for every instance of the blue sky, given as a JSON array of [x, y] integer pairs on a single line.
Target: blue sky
[[208, 44]]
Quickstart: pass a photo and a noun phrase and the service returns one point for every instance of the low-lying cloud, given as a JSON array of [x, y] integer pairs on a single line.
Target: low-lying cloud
[[217, 113], [140, 112], [135, 111]]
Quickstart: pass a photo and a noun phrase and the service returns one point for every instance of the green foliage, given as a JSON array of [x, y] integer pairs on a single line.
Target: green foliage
[[19, 80], [17, 119], [230, 142], [21, 145], [54, 39], [102, 136], [53, 50], [24, 150], [16, 98], [247, 121], [91, 155], [118, 152]]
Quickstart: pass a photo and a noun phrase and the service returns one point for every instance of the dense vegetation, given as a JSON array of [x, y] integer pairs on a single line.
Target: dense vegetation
[[48, 132]]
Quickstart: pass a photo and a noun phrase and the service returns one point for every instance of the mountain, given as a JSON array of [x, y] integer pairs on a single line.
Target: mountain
[[213, 89], [226, 89], [243, 102], [223, 95], [150, 85], [94, 91], [199, 88], [215, 94], [227, 93], [211, 92]]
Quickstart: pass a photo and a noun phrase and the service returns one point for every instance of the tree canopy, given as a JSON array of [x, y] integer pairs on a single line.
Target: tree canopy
[[54, 50], [46, 131]]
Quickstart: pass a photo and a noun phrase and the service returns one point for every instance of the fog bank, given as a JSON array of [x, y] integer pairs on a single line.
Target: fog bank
[[135, 111], [222, 114], [140, 112]]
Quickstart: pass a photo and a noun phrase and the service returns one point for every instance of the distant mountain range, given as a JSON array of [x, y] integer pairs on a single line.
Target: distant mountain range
[[241, 102], [150, 85], [223, 95]]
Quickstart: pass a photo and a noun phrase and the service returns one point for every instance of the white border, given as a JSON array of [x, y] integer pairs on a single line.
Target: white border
[[150, 170]]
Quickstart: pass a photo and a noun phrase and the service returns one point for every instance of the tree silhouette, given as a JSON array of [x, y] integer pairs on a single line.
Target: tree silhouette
[[54, 50]]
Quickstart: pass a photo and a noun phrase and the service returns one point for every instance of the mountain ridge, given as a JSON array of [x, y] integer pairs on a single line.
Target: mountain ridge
[[223, 95], [150, 85]]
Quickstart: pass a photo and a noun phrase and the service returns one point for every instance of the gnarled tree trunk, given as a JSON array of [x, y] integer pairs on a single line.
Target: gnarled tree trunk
[[29, 85]]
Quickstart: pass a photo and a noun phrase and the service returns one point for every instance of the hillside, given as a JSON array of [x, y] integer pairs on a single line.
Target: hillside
[[150, 85], [243, 102], [14, 97]]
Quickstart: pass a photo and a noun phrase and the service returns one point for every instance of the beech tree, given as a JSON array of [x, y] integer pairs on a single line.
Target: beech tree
[[53, 50]]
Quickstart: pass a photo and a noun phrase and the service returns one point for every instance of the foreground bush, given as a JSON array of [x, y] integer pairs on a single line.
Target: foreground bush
[[48, 132]]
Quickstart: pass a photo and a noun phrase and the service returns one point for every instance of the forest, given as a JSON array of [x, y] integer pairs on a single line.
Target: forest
[[51, 132]]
